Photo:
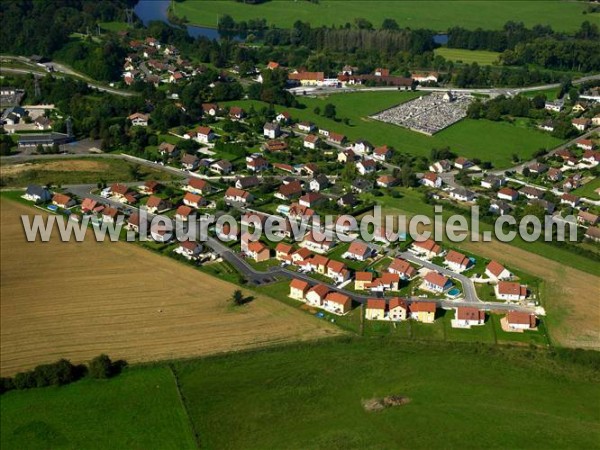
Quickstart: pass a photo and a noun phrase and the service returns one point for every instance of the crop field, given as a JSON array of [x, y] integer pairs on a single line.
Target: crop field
[[437, 15], [309, 396], [489, 141], [77, 300], [76, 171], [481, 57]]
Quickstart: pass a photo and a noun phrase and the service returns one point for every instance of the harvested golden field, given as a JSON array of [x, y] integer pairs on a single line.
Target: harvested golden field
[[77, 300], [57, 166], [570, 296]]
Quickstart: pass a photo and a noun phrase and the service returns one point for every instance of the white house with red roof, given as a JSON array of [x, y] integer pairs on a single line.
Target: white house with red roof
[[497, 271], [466, 317], [509, 290], [436, 282], [382, 153], [519, 321], [298, 289], [428, 248], [190, 250], [359, 251], [375, 309], [337, 303], [431, 179], [235, 195], [457, 261], [316, 295], [402, 268]]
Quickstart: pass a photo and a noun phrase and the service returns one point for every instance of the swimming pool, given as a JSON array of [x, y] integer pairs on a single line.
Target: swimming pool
[[454, 292]]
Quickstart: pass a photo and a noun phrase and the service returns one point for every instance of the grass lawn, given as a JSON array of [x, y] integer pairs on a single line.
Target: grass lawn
[[113, 26], [309, 396], [589, 189], [138, 409], [481, 57], [483, 139], [436, 15]]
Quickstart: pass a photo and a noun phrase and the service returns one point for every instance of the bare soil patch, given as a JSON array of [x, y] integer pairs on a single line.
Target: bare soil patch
[[77, 300], [379, 404], [55, 166]]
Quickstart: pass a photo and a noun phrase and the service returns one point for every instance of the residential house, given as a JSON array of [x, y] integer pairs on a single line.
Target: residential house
[[346, 156], [570, 199], [190, 250], [497, 271], [161, 233], [466, 317], [591, 157], [509, 194], [381, 234], [139, 119], [500, 207], [237, 113], [63, 201], [461, 194], [457, 261], [183, 213], [432, 180], [150, 187], [110, 215], [581, 124], [202, 134], [428, 248], [190, 162], [531, 192], [386, 181], [247, 182], [311, 141], [366, 166], [585, 144], [397, 309], [298, 289], [462, 163], [226, 233], [134, 223], [311, 169], [336, 138], [306, 127], [37, 194], [436, 282], [256, 163], [593, 233], [362, 146], [319, 183], [337, 271], [587, 218], [441, 166], [283, 117], [307, 78], [275, 145], [235, 195], [88, 205], [358, 251], [509, 290], [284, 252], [337, 303], [289, 191], [554, 174], [362, 280], [422, 311], [258, 251], [316, 295], [555, 106], [222, 167], [537, 168], [518, 320], [361, 185], [311, 199], [198, 186], [386, 282], [211, 109], [375, 309], [156, 204], [194, 200], [317, 242], [347, 200], [547, 125], [402, 268], [492, 182], [271, 130]]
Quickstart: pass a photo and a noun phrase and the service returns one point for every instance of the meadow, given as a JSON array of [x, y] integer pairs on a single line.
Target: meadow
[[436, 15], [77, 300], [481, 57], [309, 396], [489, 141]]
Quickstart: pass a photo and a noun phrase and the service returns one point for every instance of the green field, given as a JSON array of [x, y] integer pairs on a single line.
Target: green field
[[481, 57], [309, 396], [137, 410], [436, 15], [589, 189], [489, 141]]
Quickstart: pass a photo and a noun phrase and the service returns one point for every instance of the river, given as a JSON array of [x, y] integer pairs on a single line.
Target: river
[[149, 10]]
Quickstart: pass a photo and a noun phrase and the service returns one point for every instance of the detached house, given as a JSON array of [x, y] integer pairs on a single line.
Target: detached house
[[289, 191], [436, 282], [316, 295], [236, 113], [167, 149], [507, 193], [402, 268], [306, 127], [247, 182], [457, 261], [210, 109], [375, 309], [397, 309], [283, 117], [138, 119], [383, 153], [531, 192], [570, 199], [337, 303], [234, 195], [497, 271], [189, 249], [311, 199], [441, 166], [422, 311], [366, 166], [258, 251], [157, 205], [311, 141], [284, 252], [37, 194], [198, 186], [194, 200], [466, 317], [518, 320], [63, 201], [362, 280], [358, 251], [190, 162], [271, 130], [431, 179], [581, 124], [222, 167], [508, 290], [337, 271], [256, 163], [428, 248], [463, 163], [183, 213], [319, 183], [298, 289], [317, 242], [204, 135], [336, 138]]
